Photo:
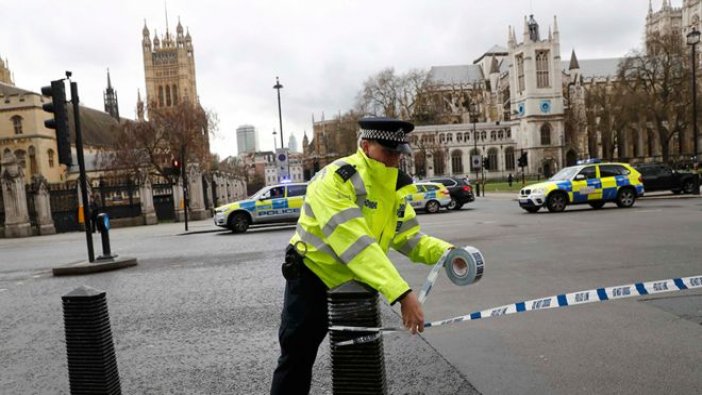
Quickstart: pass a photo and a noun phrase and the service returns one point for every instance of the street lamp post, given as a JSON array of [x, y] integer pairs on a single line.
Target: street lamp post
[[278, 86], [473, 117], [693, 38]]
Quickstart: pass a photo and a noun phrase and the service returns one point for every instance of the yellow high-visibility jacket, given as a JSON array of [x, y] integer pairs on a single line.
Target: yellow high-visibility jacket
[[351, 215]]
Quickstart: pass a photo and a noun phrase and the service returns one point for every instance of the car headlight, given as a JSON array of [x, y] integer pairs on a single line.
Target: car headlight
[[537, 191]]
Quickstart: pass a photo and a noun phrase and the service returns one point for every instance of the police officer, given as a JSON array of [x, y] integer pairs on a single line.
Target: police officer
[[354, 211]]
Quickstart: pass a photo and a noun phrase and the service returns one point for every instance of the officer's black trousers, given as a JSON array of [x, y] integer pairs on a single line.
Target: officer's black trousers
[[304, 323]]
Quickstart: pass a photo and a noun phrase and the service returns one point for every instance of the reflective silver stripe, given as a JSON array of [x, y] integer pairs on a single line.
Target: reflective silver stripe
[[308, 210], [358, 185], [340, 218], [355, 248], [408, 225], [315, 241], [406, 249]]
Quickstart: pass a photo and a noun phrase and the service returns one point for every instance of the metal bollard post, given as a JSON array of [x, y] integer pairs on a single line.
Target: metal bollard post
[[696, 185], [477, 189], [358, 368], [92, 365], [103, 225]]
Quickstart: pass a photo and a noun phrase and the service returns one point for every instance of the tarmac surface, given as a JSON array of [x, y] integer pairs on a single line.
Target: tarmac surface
[[199, 314]]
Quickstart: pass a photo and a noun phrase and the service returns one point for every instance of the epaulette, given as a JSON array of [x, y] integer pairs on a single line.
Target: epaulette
[[346, 172]]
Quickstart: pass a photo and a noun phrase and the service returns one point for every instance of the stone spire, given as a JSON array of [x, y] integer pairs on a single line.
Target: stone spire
[[110, 99], [574, 65]]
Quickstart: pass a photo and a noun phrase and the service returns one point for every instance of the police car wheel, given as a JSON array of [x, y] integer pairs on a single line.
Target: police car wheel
[[556, 202], [626, 198], [238, 223], [597, 205], [432, 206]]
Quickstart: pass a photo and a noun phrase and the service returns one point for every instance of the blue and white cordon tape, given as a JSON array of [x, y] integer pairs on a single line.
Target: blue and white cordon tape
[[550, 302]]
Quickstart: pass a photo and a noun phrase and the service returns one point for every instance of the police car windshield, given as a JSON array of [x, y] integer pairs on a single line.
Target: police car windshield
[[565, 174], [259, 193]]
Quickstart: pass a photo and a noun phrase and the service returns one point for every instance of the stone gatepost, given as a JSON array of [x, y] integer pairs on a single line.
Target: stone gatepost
[[178, 201], [42, 205], [146, 197], [15, 198], [196, 199]]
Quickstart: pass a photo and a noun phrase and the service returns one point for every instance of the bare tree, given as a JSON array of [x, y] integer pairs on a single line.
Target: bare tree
[[658, 82], [170, 132]]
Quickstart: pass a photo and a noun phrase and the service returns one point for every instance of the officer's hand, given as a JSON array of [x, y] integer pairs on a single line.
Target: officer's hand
[[412, 314]]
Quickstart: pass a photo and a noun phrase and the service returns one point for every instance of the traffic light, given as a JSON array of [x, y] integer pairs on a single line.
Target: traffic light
[[175, 163], [57, 92], [522, 161], [174, 170]]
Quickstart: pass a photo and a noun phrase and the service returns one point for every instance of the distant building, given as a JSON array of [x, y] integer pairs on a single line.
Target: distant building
[[246, 140], [292, 143]]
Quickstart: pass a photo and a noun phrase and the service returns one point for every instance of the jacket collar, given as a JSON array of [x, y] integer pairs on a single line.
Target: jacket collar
[[378, 173]]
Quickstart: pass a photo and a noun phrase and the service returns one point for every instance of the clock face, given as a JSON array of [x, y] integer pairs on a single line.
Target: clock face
[[520, 108], [545, 106]]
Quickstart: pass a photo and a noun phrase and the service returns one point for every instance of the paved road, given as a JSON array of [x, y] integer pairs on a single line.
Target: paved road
[[200, 312]]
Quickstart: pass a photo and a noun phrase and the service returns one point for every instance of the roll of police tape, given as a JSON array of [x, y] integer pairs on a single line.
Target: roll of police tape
[[562, 300], [464, 266]]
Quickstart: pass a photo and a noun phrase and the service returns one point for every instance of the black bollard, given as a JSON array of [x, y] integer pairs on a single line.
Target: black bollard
[[92, 364], [358, 368], [103, 225]]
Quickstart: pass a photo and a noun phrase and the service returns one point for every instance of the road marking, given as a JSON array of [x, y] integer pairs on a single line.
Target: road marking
[[649, 211], [3, 289]]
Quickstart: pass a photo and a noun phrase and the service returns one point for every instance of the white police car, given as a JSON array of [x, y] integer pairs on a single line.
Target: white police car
[[272, 204], [430, 197]]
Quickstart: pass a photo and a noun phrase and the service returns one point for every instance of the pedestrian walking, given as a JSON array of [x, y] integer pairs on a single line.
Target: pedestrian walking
[[354, 211], [510, 179], [94, 208]]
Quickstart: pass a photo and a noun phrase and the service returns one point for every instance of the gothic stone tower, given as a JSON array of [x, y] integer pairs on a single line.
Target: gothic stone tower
[[5, 74], [536, 93], [110, 99], [169, 68]]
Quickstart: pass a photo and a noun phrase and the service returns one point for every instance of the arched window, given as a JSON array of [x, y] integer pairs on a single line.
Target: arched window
[[175, 95], [21, 156], [509, 158], [160, 96], [501, 134], [32, 161], [466, 136], [441, 138], [168, 95], [459, 137], [545, 134], [449, 137], [50, 154], [493, 136], [483, 135], [457, 161], [492, 157], [420, 165], [17, 124], [439, 165]]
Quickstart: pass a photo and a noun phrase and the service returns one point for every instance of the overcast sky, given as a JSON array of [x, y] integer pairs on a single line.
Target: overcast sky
[[322, 50]]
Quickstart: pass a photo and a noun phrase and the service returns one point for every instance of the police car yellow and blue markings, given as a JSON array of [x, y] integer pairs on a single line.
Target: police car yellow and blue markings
[[587, 190], [260, 208]]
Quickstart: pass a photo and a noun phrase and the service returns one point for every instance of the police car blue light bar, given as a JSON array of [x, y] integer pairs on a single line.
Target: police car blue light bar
[[588, 161]]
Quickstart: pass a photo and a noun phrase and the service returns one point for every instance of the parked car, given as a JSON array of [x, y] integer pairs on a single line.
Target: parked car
[[430, 197], [590, 182], [660, 177], [272, 204], [460, 189]]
